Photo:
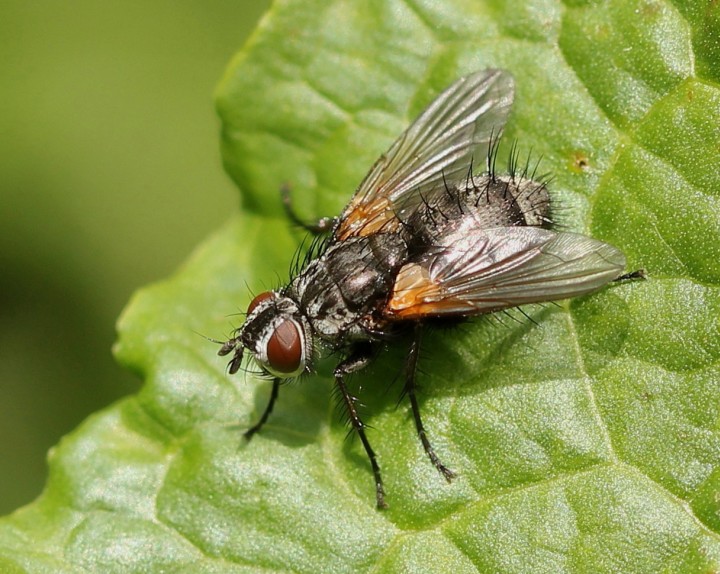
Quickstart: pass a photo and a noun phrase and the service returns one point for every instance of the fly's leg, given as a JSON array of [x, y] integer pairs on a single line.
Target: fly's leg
[[410, 388], [322, 225], [356, 361], [632, 276], [268, 409]]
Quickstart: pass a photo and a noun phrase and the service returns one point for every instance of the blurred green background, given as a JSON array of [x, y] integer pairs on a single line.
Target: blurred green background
[[110, 174]]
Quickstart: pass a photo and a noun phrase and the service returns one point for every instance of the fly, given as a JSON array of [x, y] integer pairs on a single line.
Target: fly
[[423, 238]]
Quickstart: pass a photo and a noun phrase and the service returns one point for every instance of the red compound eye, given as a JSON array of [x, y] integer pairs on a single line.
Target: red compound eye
[[259, 299], [284, 349]]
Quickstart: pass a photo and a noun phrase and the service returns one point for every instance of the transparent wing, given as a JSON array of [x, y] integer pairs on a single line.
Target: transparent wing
[[457, 128], [501, 268]]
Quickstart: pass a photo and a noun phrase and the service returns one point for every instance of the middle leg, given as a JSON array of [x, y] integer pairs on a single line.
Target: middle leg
[[410, 388]]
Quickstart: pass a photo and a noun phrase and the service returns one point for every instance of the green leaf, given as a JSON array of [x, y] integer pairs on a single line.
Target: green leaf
[[587, 442]]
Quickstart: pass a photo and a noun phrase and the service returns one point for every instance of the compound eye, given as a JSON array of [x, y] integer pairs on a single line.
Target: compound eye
[[285, 348], [259, 299]]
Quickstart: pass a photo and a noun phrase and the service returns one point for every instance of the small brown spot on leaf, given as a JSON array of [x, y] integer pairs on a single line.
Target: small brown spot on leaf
[[579, 162]]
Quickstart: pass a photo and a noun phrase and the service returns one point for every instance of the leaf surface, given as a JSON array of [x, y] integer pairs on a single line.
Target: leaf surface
[[587, 442]]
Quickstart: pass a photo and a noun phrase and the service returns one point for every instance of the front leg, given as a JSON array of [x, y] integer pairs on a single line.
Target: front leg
[[266, 413], [359, 359]]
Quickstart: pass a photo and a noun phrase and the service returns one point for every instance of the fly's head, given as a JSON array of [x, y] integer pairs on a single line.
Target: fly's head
[[276, 334]]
